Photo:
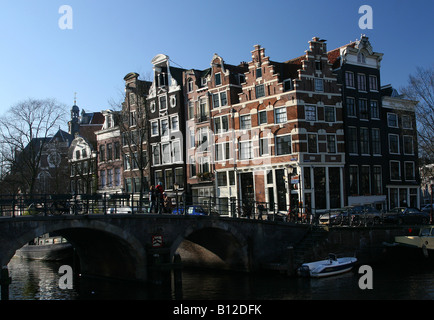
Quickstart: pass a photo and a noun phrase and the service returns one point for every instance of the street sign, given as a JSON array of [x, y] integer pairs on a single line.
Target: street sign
[[157, 241]]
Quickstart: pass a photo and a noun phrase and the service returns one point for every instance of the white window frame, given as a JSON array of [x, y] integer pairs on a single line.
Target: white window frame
[[390, 170], [412, 144], [305, 112], [249, 150], [158, 128], [168, 159], [280, 113], [176, 142], [171, 123], [390, 144], [413, 178], [396, 117], [319, 85]]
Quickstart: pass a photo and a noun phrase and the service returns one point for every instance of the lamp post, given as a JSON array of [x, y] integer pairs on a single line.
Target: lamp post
[[176, 188]]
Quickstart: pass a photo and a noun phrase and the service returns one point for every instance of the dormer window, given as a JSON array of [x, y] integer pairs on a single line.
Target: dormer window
[[162, 80], [258, 73], [361, 58]]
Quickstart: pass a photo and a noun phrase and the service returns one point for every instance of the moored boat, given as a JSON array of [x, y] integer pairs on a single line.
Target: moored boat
[[328, 267], [46, 248]]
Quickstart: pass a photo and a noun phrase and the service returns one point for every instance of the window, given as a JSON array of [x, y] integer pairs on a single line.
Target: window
[[329, 114], [222, 179], [280, 115], [174, 123], [192, 164], [203, 112], [312, 143], [158, 177], [394, 143], [223, 98], [219, 99], [245, 122], [190, 109], [395, 170], [260, 91], [109, 151], [392, 120], [179, 177], [218, 79], [215, 100], [349, 79], [318, 65], [376, 183], [117, 176], [246, 150], [117, 150], [221, 124], [152, 106], [373, 84], [190, 85], [409, 170], [365, 180], [351, 107], [331, 143], [406, 122], [218, 152], [128, 186], [283, 145], [262, 117], [376, 144], [258, 73], [408, 145], [375, 112], [103, 178], [164, 127], [203, 138], [361, 82], [133, 118], [352, 140], [263, 146], [354, 180], [109, 177], [364, 140], [156, 154], [204, 164], [127, 162], [168, 179], [363, 109], [163, 102], [166, 157], [176, 148], [310, 113], [102, 153], [319, 85], [287, 85], [361, 58]]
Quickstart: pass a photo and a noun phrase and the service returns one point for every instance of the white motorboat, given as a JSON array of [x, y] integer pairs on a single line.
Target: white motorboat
[[327, 267]]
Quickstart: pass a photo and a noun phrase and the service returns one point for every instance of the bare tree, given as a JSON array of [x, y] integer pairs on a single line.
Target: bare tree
[[421, 88], [24, 131]]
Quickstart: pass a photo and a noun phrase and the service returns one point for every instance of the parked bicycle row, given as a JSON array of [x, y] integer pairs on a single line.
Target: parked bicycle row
[[24, 205]]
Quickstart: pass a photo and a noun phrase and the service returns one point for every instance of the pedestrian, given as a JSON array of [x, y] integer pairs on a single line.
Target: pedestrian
[[261, 210], [152, 199], [167, 202], [159, 190]]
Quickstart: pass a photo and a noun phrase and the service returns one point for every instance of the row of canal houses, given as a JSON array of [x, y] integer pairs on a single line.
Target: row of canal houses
[[317, 131]]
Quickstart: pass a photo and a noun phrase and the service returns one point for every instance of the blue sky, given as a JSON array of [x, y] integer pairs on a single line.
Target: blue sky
[[112, 38]]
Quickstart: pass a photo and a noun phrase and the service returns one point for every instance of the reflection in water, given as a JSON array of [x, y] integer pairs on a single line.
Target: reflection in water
[[38, 280]]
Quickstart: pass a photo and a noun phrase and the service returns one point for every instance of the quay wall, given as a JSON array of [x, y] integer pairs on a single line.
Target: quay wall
[[365, 243]]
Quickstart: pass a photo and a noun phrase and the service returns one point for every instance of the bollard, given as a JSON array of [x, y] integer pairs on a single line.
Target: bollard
[[5, 281]]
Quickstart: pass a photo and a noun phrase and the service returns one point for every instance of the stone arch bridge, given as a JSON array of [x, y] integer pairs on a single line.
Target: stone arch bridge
[[124, 246]]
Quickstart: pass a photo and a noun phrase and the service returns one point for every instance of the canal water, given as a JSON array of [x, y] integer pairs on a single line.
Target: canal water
[[412, 280]]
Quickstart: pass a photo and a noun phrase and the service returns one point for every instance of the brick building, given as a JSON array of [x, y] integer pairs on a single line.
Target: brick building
[[287, 137]]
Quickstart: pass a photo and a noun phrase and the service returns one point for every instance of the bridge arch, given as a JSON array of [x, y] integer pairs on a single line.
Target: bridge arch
[[228, 246], [113, 252]]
